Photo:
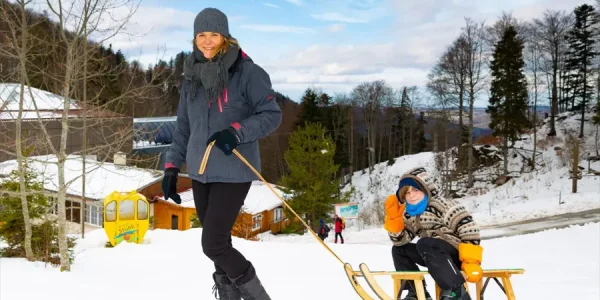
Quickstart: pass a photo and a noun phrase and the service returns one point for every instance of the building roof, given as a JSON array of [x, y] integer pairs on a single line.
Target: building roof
[[102, 178], [48, 105], [259, 199]]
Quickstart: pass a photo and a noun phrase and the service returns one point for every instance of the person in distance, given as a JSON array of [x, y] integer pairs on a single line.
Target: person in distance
[[449, 239], [228, 99]]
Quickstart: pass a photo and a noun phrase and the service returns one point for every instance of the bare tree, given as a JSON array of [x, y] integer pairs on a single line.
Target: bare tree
[[370, 96], [442, 100], [18, 46], [473, 35], [454, 65], [496, 30], [534, 65], [551, 30]]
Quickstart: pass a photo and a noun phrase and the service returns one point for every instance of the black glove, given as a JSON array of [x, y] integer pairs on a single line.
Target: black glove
[[226, 140], [169, 185]]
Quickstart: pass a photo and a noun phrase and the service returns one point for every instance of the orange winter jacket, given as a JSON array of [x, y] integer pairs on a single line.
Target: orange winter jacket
[[394, 214]]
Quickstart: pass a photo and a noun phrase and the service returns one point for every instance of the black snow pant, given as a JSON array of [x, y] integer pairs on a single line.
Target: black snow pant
[[218, 205], [439, 256], [340, 235]]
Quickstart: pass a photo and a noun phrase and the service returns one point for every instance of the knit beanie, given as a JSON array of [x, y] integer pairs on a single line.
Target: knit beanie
[[410, 182], [211, 20]]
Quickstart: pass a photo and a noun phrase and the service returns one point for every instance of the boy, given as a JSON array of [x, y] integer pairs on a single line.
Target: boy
[[448, 237]]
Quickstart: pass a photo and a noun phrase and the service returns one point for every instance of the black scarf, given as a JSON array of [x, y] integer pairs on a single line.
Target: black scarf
[[213, 74]]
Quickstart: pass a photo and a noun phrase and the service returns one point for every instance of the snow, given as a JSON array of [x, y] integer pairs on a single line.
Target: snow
[[259, 198], [559, 264], [48, 104], [102, 178], [530, 195]]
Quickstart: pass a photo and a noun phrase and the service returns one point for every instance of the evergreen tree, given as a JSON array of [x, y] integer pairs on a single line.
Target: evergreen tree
[[582, 40], [311, 171], [508, 102], [44, 241], [309, 108]]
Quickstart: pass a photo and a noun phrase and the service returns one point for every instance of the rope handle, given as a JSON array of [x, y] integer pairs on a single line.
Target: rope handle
[[314, 234]]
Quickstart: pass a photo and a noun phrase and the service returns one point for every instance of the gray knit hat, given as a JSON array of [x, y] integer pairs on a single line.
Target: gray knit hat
[[211, 20]]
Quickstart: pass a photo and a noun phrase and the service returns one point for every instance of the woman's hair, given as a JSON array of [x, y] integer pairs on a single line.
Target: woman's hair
[[227, 43]]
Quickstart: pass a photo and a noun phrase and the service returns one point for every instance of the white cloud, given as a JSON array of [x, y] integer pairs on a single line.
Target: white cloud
[[296, 2], [271, 5], [336, 28], [277, 28], [337, 17]]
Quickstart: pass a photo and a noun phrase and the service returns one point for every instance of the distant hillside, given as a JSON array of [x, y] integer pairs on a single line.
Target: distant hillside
[[528, 194]]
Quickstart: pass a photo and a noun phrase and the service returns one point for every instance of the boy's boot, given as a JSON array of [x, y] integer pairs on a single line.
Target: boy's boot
[[457, 293]]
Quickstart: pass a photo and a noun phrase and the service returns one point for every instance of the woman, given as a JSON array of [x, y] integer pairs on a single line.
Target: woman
[[448, 237], [228, 99]]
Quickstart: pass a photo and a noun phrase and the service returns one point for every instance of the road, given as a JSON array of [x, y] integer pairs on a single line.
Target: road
[[531, 226]]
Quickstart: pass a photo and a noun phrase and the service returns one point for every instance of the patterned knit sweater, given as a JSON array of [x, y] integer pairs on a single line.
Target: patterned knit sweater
[[443, 218]]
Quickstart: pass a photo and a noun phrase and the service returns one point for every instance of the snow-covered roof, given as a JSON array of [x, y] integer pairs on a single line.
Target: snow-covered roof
[[259, 199], [102, 178], [48, 105]]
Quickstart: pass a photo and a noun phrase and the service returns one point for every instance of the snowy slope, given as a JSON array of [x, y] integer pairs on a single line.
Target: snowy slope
[[544, 192], [170, 265]]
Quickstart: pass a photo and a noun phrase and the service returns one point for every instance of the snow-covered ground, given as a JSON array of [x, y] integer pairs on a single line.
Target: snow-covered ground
[[544, 192], [560, 264]]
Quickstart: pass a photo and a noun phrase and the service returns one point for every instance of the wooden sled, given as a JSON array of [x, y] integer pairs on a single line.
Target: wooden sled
[[500, 276]]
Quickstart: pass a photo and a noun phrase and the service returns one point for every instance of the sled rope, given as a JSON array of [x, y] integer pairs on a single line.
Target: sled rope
[[203, 167]]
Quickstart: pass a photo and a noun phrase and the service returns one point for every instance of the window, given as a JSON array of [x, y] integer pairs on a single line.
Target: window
[[278, 214], [142, 210], [94, 215], [127, 210], [111, 211], [256, 222]]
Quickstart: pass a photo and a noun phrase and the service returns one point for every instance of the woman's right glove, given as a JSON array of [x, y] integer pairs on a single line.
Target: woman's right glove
[[169, 184]]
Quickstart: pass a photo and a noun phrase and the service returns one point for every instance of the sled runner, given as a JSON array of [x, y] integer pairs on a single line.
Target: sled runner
[[500, 276]]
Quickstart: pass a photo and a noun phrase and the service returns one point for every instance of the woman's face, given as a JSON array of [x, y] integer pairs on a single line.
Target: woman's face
[[414, 196], [209, 43]]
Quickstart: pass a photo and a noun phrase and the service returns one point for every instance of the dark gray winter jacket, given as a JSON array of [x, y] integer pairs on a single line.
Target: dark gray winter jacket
[[248, 105]]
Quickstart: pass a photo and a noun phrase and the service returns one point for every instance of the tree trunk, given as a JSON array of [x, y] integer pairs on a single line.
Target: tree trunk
[[554, 105], [63, 248], [470, 143], [535, 98], [505, 171], [20, 157]]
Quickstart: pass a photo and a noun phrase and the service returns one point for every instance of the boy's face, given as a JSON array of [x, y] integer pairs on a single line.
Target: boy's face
[[414, 196]]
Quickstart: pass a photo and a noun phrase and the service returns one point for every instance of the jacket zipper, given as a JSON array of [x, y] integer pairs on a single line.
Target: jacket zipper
[[225, 97]]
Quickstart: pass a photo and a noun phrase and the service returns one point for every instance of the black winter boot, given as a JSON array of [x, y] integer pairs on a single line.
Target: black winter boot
[[225, 289], [250, 286], [412, 293], [457, 293]]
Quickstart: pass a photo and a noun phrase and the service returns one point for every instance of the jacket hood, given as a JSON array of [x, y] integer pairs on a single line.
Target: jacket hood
[[422, 178]]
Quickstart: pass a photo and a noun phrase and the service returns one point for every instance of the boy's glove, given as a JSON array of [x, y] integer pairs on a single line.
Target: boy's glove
[[394, 214], [471, 255]]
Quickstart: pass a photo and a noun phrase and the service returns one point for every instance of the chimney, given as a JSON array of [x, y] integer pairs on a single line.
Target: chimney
[[120, 158]]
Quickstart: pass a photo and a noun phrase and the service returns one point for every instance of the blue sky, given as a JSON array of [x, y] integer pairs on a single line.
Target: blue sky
[[331, 44]]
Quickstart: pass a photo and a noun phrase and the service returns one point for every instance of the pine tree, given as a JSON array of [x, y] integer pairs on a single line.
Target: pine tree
[[582, 40], [310, 111], [311, 172], [508, 102]]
